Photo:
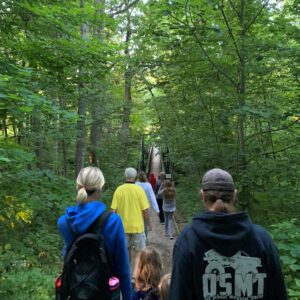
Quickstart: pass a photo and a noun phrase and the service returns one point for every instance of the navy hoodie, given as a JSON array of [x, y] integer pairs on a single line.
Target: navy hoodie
[[80, 218], [225, 256]]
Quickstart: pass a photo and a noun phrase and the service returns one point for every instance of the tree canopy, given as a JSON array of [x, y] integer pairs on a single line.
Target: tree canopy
[[216, 82]]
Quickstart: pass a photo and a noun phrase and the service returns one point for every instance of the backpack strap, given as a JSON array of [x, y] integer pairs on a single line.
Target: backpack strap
[[96, 229], [97, 226], [93, 232]]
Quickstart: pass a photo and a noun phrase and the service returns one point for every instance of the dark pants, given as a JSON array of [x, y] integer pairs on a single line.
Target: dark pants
[[161, 213]]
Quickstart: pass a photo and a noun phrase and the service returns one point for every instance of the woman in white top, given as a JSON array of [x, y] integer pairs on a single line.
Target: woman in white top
[[141, 180]]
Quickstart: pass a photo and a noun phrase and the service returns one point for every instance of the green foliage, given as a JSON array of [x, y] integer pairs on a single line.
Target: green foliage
[[30, 243], [200, 70], [287, 237], [27, 284], [188, 200], [12, 156], [13, 212]]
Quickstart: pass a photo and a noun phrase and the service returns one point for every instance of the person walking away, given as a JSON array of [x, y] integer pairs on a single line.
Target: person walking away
[[146, 186], [152, 180], [147, 275], [79, 218], [164, 287], [159, 184], [222, 254], [168, 193], [131, 204]]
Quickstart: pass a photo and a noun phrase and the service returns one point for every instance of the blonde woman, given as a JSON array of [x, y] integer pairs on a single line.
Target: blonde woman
[[79, 218]]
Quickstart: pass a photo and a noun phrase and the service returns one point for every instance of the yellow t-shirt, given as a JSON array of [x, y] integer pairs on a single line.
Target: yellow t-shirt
[[129, 201]]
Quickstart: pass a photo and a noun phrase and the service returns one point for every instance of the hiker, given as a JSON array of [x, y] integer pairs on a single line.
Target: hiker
[[168, 192], [222, 254], [131, 204], [152, 180], [79, 218], [159, 199], [147, 275], [164, 287], [141, 181]]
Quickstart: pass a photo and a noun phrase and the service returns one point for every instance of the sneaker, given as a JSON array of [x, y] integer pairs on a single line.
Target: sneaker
[[171, 237], [162, 223]]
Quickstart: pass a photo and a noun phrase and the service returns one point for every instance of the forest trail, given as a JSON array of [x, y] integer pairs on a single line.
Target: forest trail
[[163, 244], [157, 237]]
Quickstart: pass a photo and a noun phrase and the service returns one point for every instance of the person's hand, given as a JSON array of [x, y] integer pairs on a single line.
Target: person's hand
[[149, 227]]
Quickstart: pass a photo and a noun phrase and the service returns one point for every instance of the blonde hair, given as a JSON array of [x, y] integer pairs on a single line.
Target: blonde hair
[[164, 286], [148, 272], [141, 176], [89, 181]]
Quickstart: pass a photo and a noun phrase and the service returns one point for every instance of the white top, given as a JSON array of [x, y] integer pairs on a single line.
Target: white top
[[147, 187]]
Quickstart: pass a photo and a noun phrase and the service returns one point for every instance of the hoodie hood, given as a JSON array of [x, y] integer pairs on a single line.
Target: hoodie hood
[[222, 231], [81, 216]]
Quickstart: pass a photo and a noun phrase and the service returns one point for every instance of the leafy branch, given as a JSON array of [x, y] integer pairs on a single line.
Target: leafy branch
[[230, 31], [272, 130], [120, 9], [256, 16]]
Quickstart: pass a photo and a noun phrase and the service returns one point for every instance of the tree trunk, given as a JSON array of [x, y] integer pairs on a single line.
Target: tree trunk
[[96, 125], [95, 134], [82, 108], [63, 143], [4, 125], [81, 130], [245, 196], [38, 141], [127, 93]]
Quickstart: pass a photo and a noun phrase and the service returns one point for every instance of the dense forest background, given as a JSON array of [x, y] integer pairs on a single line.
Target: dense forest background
[[217, 82]]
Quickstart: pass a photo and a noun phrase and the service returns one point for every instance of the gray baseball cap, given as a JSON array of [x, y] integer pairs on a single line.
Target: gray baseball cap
[[217, 180]]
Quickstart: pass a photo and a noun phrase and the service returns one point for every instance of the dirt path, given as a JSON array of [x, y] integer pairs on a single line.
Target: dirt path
[[163, 244], [157, 237]]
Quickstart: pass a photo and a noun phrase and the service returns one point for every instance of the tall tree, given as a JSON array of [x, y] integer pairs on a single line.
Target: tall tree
[[82, 105], [124, 133]]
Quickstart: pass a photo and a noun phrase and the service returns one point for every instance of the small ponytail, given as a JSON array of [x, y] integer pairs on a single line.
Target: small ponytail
[[220, 206], [81, 195]]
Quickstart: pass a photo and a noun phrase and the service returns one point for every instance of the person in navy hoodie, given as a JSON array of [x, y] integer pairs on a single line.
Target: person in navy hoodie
[[222, 254], [80, 217]]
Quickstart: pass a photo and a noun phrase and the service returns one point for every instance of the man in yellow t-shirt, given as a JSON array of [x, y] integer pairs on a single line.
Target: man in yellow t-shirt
[[131, 204]]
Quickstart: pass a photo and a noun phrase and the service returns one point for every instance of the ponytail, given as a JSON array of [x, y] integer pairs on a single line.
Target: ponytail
[[81, 195], [220, 206], [89, 181]]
